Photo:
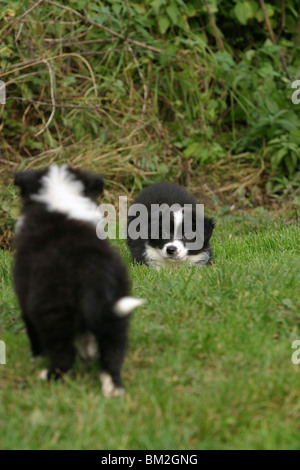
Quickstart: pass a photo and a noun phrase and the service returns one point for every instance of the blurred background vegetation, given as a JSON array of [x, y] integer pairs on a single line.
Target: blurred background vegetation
[[192, 91]]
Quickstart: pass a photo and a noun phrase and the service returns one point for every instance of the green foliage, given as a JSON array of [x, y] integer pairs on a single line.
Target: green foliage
[[159, 74], [209, 363]]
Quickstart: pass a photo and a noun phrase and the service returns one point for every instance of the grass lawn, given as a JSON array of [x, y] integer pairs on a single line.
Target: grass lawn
[[209, 365]]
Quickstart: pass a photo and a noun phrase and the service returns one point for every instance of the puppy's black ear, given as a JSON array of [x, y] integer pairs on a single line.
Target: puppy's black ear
[[93, 184], [209, 226], [28, 181]]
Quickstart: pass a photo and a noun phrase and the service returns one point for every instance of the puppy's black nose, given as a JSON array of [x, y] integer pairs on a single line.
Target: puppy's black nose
[[171, 250]]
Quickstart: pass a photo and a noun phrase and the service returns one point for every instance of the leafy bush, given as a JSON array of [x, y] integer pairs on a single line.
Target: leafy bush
[[154, 86]]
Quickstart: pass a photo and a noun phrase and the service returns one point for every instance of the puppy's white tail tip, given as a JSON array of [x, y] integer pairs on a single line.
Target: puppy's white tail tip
[[125, 305]]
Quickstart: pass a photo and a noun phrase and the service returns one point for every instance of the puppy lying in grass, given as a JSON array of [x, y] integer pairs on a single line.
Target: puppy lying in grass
[[166, 238], [72, 287]]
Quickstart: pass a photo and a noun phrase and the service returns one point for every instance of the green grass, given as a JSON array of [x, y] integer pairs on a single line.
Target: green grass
[[209, 365]]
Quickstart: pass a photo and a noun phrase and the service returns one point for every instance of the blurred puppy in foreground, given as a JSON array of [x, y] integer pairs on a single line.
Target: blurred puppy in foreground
[[72, 287]]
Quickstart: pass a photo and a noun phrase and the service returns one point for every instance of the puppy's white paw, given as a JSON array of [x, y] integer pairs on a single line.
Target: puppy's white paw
[[43, 375], [109, 389]]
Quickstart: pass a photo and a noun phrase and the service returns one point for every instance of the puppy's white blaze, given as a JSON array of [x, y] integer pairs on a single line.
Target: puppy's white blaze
[[61, 192], [178, 218], [126, 304]]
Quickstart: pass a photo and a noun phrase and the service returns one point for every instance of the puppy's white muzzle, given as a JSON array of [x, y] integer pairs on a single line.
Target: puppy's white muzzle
[[174, 250]]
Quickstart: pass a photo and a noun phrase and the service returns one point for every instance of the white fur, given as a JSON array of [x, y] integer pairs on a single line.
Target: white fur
[[199, 260], [61, 192], [86, 346], [20, 223], [179, 255], [178, 218], [43, 374], [159, 258], [126, 304], [109, 389]]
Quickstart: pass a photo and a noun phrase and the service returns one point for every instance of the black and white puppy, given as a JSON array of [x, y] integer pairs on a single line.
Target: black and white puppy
[[161, 249], [72, 287]]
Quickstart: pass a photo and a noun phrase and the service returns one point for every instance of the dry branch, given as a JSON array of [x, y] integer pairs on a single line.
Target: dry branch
[[52, 99], [214, 26]]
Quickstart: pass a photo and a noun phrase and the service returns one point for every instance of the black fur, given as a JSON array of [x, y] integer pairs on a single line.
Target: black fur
[[166, 193], [67, 281]]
